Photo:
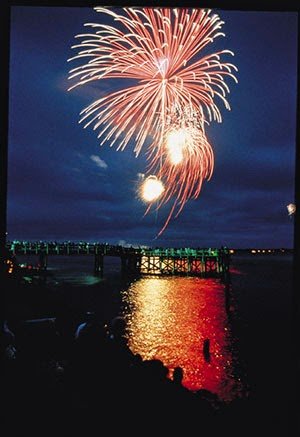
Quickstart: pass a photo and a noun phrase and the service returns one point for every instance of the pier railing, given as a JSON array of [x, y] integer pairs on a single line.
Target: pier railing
[[205, 262]]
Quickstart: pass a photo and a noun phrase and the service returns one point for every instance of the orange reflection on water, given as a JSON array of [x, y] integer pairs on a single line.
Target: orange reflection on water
[[168, 318]]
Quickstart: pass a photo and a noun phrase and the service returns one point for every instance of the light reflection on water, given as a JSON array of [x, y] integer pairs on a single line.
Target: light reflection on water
[[169, 318]]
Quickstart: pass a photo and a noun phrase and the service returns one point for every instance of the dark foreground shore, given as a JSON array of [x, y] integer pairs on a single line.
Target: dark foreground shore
[[58, 387]]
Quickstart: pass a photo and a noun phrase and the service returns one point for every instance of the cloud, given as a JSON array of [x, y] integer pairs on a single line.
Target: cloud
[[98, 161]]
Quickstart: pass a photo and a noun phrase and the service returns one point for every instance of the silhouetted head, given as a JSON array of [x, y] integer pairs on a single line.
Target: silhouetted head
[[178, 375], [117, 328], [156, 369]]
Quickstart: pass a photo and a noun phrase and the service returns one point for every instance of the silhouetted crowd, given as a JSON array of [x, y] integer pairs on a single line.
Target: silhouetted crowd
[[74, 374], [65, 376]]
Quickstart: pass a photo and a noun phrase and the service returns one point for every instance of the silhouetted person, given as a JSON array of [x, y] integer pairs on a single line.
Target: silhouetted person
[[157, 389], [206, 351], [120, 356], [8, 348], [181, 401], [90, 334], [178, 376], [42, 262], [88, 362], [118, 329]]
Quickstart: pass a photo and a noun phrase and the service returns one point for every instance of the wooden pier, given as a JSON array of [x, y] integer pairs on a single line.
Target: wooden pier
[[205, 262]]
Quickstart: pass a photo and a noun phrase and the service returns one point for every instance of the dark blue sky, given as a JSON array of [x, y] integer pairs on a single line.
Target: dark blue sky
[[63, 186]]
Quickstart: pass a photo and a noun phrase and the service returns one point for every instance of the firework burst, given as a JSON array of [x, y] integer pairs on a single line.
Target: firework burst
[[172, 93]]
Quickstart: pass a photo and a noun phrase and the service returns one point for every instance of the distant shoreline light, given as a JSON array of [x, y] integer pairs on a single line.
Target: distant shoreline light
[[82, 243]]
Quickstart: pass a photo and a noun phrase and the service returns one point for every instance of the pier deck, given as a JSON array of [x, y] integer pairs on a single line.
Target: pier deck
[[204, 262]]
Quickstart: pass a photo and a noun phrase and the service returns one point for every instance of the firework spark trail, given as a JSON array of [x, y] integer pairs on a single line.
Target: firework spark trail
[[183, 178], [159, 49]]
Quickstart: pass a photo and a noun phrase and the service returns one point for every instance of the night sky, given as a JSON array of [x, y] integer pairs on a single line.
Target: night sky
[[63, 186]]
